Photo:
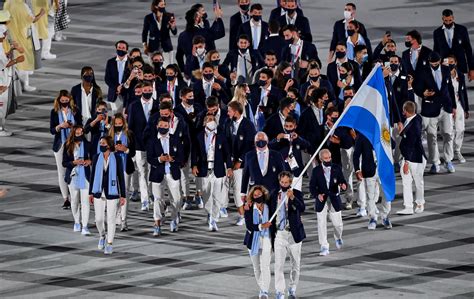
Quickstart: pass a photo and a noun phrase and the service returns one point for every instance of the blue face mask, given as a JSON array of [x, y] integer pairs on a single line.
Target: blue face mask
[[365, 58], [163, 131], [261, 143]]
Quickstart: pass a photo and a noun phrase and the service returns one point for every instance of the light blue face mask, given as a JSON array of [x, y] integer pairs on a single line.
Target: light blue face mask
[[365, 58]]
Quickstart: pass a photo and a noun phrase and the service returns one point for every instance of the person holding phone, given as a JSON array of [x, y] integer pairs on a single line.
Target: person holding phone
[[98, 126], [64, 115], [157, 27], [165, 155]]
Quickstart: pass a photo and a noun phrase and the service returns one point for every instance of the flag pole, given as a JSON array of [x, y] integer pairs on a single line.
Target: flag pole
[[300, 177]]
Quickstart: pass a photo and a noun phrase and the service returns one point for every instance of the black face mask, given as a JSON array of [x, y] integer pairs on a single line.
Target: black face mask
[[190, 101], [284, 189], [314, 78], [64, 105], [88, 78], [121, 53], [208, 77], [243, 51], [262, 82], [334, 119], [291, 40], [216, 62], [78, 138], [257, 18], [448, 25], [407, 44], [347, 98], [287, 77], [327, 164], [103, 148], [244, 7], [170, 78], [343, 76], [118, 128], [394, 67], [290, 11], [289, 131], [157, 65], [163, 131], [147, 95], [350, 32], [204, 16], [161, 9], [258, 199], [452, 67], [435, 67], [389, 53], [261, 143], [340, 55]]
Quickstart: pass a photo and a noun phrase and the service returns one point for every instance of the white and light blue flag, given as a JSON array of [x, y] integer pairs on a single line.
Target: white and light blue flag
[[368, 113]]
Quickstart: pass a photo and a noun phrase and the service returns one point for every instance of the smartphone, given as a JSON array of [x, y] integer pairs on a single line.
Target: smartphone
[[215, 4], [386, 64], [118, 142]]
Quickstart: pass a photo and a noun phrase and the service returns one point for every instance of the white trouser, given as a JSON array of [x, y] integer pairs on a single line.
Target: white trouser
[[122, 212], [82, 210], [212, 188], [24, 77], [348, 171], [372, 190], [237, 185], [445, 123], [362, 194], [3, 108], [397, 155], [459, 127], [297, 185], [336, 219], [414, 175], [46, 43], [116, 106], [184, 181], [159, 204], [261, 264], [168, 58], [143, 173], [100, 206], [134, 180], [58, 157], [285, 244]]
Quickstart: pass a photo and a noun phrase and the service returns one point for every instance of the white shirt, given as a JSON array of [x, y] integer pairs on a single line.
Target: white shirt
[[455, 83], [256, 26], [327, 175], [236, 125], [207, 86], [439, 74], [241, 59], [290, 20], [171, 87], [264, 95], [408, 120], [210, 141], [149, 102], [296, 49], [165, 144], [174, 124], [449, 34], [121, 66], [189, 109], [86, 102], [266, 157], [319, 113]]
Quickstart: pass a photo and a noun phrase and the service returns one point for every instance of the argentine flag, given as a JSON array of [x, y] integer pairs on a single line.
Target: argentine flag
[[368, 113]]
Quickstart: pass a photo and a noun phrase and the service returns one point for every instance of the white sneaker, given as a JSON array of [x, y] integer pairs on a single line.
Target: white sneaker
[[405, 211], [28, 88], [48, 56], [361, 212], [419, 209], [460, 158], [4, 133], [240, 221]]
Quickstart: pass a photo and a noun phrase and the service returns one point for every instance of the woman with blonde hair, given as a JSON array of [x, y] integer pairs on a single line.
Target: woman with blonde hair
[[125, 150], [64, 116], [258, 236], [23, 31]]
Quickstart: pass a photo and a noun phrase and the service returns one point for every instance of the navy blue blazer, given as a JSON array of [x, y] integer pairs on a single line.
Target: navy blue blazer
[[401, 94], [308, 52], [252, 228], [112, 78], [461, 47], [246, 29], [156, 38], [222, 119], [302, 24], [137, 123], [120, 180], [69, 159], [431, 106], [234, 25], [200, 95], [339, 33], [332, 73], [274, 43], [76, 93], [411, 146], [296, 208], [421, 63], [363, 148], [242, 142], [273, 101], [298, 145], [155, 150], [395, 115], [309, 129], [273, 126], [222, 160], [232, 57], [252, 175], [318, 185], [129, 165], [54, 122], [275, 14], [163, 88], [96, 133]]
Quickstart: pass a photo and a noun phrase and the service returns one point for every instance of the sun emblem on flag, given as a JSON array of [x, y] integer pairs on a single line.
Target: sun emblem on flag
[[385, 135]]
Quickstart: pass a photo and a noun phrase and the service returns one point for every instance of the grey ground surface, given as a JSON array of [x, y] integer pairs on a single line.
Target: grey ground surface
[[423, 256]]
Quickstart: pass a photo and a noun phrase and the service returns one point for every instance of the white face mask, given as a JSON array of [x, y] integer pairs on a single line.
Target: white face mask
[[200, 51], [347, 15], [212, 125]]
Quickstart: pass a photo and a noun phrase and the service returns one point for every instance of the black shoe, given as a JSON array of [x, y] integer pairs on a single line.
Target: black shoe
[[66, 205]]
